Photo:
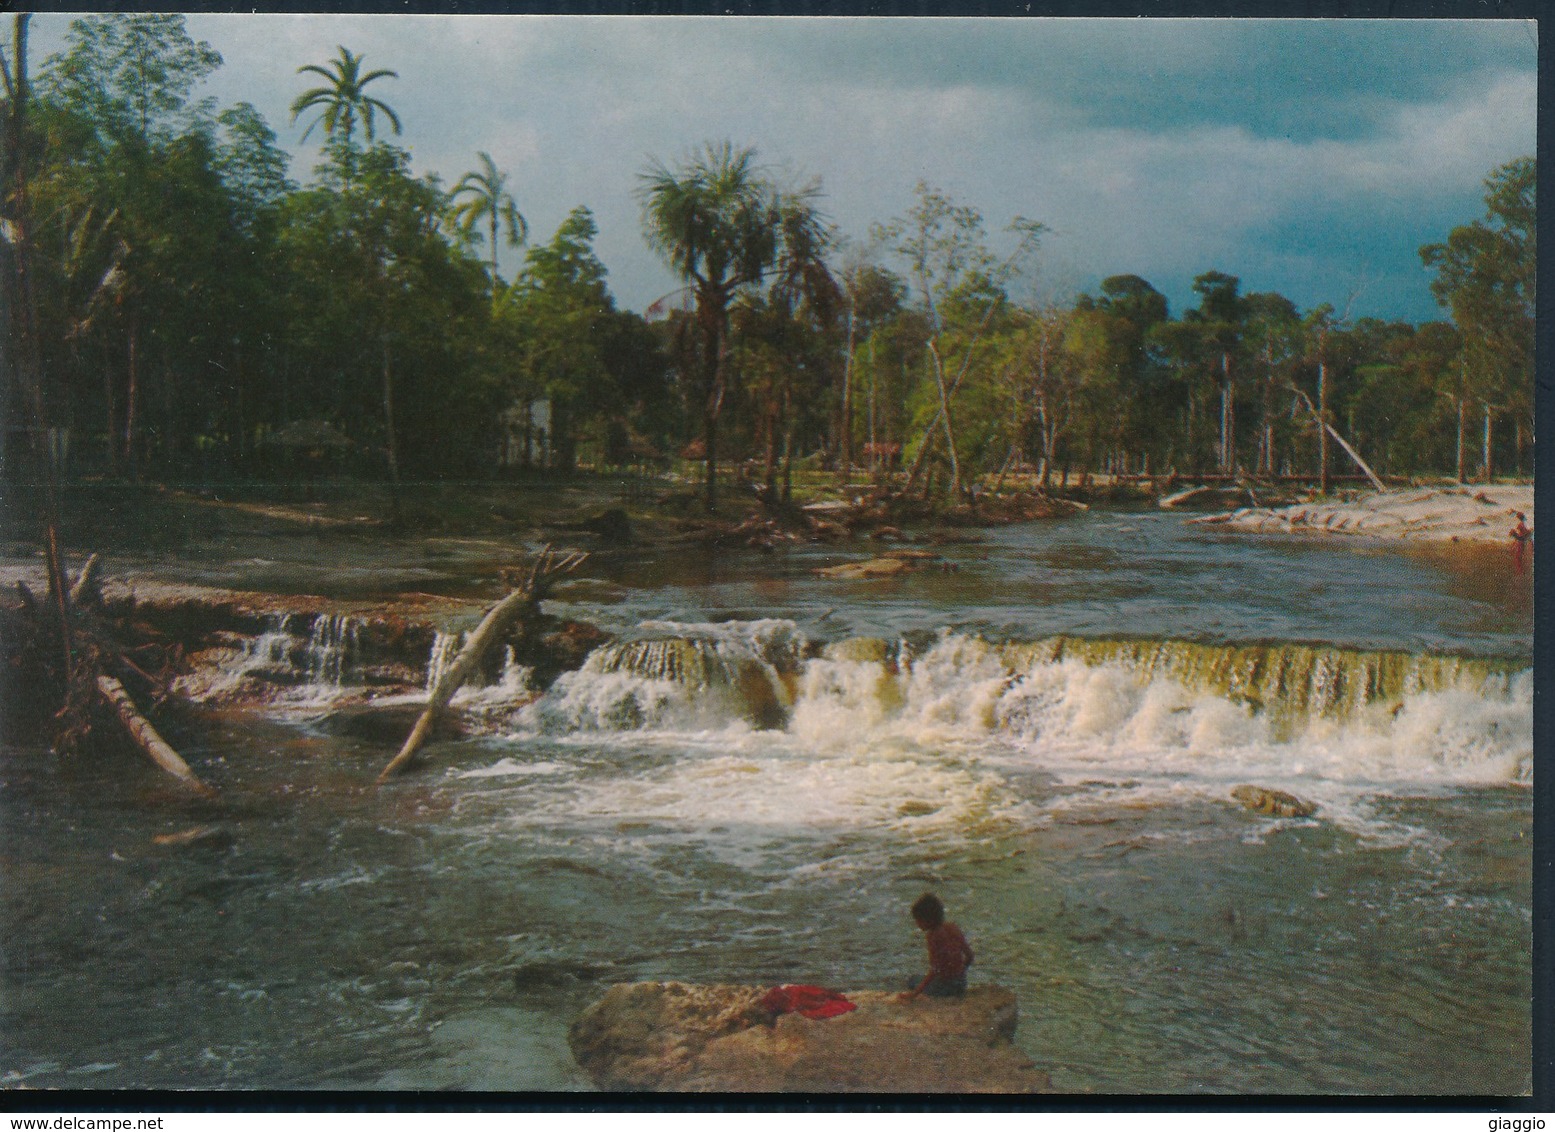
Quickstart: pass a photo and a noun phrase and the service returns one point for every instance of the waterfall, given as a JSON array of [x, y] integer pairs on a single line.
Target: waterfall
[[1141, 703], [331, 648], [1291, 683]]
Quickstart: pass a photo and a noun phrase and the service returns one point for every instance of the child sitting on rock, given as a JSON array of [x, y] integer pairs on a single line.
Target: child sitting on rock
[[949, 953]]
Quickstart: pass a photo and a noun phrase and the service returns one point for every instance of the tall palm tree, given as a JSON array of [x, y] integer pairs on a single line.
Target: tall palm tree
[[717, 223], [486, 198], [344, 100]]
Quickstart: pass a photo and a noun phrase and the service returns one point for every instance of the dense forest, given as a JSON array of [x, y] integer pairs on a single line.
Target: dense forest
[[179, 307]]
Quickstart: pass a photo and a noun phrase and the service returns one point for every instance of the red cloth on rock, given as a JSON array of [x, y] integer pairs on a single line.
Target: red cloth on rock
[[811, 1002]]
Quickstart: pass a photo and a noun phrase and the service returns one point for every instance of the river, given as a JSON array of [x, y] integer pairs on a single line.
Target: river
[[756, 784]]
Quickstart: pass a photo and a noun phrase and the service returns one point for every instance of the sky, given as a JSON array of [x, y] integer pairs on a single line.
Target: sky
[[1308, 157]]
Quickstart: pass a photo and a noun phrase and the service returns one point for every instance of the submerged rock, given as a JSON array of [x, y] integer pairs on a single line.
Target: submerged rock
[[687, 1038], [205, 836], [386, 724], [888, 567]]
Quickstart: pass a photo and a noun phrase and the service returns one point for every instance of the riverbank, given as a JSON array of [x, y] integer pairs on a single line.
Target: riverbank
[[1458, 514]]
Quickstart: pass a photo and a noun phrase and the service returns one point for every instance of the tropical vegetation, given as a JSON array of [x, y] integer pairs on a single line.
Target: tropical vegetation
[[180, 305]]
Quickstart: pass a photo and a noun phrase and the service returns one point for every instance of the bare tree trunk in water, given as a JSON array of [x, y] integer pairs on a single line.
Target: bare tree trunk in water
[[145, 736], [523, 601]]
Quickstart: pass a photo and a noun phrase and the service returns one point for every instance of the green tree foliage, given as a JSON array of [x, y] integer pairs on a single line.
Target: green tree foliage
[[134, 189], [482, 196], [251, 165], [871, 296], [178, 306], [1041, 379], [565, 342], [723, 226], [1108, 340], [1272, 345], [131, 75], [959, 284], [1218, 324], [386, 304], [343, 100], [1486, 277]]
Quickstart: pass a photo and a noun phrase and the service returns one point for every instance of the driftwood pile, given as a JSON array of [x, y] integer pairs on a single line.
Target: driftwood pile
[[877, 514], [81, 667], [77, 669]]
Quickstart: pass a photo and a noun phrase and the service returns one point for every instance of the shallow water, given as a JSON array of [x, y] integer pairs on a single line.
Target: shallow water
[[763, 805]]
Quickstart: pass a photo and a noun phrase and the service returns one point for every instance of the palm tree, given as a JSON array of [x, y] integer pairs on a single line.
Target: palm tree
[[717, 223], [344, 100], [487, 198]]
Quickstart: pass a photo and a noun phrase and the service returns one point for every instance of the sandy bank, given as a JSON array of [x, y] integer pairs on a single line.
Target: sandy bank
[[1459, 514]]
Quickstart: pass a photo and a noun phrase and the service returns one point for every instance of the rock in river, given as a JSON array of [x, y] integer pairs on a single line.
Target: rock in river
[[1275, 802], [687, 1038]]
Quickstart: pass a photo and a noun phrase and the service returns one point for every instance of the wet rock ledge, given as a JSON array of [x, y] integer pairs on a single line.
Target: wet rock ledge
[[679, 1037]]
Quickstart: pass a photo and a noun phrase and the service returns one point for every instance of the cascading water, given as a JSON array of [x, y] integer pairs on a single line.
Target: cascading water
[[331, 649], [685, 677], [511, 682], [445, 648], [1073, 706], [285, 666]]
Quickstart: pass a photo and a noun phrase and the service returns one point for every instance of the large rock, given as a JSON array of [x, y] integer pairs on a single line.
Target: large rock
[[1277, 803], [685, 1038]]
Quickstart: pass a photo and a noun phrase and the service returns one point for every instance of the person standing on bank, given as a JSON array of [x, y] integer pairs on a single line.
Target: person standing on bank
[[1520, 535], [949, 953]]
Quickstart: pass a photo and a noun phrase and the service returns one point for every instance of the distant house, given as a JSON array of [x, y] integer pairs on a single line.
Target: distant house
[[526, 435], [885, 455]]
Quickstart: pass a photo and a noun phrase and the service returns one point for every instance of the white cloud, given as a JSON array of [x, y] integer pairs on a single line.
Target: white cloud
[[994, 112]]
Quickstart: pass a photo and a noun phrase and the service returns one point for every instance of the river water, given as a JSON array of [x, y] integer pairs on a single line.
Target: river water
[[756, 784]]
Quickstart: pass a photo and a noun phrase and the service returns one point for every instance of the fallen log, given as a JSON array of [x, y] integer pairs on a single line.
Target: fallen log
[[525, 599], [86, 590], [146, 738], [1376, 481], [1183, 496]]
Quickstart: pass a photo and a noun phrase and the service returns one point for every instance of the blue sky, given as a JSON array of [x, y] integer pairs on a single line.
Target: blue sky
[[1310, 157]]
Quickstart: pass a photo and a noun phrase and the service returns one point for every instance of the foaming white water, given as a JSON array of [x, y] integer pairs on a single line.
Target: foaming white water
[[747, 797], [678, 677], [1074, 718], [1361, 720]]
